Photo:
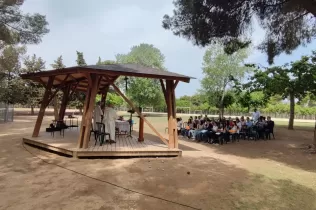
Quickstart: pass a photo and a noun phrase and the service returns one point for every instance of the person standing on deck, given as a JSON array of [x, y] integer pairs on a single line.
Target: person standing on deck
[[97, 115], [110, 117]]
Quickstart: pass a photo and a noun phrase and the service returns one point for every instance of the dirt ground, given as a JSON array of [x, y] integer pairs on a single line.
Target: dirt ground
[[275, 174]]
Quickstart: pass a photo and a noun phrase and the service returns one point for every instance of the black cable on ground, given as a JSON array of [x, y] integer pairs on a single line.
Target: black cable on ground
[[109, 183]]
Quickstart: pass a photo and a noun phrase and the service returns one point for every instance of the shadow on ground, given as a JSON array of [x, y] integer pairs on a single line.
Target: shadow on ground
[[155, 138], [204, 183], [288, 147]]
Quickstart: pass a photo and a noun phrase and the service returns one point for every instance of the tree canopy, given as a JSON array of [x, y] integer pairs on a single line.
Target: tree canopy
[[11, 84], [16, 27], [143, 91], [58, 63], [287, 23], [33, 92], [294, 81], [220, 70]]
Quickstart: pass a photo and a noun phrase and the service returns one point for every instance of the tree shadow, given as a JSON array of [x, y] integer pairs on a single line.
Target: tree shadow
[[156, 139], [289, 147]]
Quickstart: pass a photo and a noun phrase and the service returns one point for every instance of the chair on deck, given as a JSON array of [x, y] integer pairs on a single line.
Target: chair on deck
[[100, 134]]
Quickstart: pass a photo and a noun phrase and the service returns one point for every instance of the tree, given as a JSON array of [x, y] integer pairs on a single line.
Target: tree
[[292, 81], [17, 27], [33, 92], [143, 91], [106, 62], [254, 99], [78, 98], [11, 84], [220, 70], [287, 23], [58, 64], [80, 59]]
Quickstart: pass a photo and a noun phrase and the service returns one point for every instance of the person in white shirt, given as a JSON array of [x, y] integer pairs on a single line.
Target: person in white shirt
[[110, 117], [215, 127], [179, 125], [255, 115], [97, 115]]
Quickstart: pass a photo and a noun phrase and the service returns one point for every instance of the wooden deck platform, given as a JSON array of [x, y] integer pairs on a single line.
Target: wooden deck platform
[[124, 146]]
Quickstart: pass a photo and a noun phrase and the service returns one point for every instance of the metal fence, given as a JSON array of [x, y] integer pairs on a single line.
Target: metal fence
[[6, 113]]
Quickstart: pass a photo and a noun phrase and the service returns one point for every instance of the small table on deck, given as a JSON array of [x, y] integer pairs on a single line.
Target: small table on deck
[[122, 126], [71, 122]]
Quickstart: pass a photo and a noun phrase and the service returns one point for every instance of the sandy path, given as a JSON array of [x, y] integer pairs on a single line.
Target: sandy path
[[240, 176]]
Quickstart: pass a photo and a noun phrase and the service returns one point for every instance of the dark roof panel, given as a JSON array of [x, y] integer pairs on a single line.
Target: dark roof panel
[[78, 74]]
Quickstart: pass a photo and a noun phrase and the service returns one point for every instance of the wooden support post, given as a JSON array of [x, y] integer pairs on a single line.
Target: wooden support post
[[139, 113], [64, 102], [141, 129], [89, 106], [172, 122], [44, 104], [103, 98], [174, 115], [82, 127]]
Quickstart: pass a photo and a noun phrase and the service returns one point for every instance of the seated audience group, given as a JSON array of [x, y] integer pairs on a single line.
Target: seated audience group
[[223, 130]]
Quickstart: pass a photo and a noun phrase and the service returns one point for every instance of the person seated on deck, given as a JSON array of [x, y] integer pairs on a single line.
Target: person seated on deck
[[190, 129], [185, 130], [110, 117], [199, 133], [242, 121], [234, 131], [179, 124], [248, 122], [214, 133], [195, 122]]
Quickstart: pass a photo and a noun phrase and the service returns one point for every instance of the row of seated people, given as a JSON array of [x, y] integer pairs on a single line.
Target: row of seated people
[[222, 130]]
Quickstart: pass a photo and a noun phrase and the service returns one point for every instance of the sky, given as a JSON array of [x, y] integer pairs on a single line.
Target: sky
[[106, 28]]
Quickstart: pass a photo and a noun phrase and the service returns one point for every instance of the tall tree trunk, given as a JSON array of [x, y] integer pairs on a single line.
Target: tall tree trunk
[[221, 106], [292, 108], [56, 108], [32, 110], [314, 139]]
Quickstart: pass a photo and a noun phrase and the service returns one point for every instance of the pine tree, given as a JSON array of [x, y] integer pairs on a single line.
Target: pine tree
[[58, 64], [80, 60]]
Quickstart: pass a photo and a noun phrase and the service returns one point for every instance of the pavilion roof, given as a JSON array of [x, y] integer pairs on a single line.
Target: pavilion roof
[[78, 74]]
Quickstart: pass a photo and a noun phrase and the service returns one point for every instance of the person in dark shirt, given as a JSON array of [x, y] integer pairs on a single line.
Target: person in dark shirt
[[269, 126]]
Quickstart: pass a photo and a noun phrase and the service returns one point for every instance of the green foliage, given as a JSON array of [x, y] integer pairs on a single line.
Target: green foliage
[[295, 81], [113, 98], [144, 54], [252, 99], [78, 98], [16, 27], [287, 24], [220, 71], [33, 92], [100, 62], [11, 85], [144, 92], [58, 64], [80, 59]]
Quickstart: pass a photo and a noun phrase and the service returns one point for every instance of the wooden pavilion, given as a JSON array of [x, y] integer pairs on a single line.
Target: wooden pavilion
[[97, 79]]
